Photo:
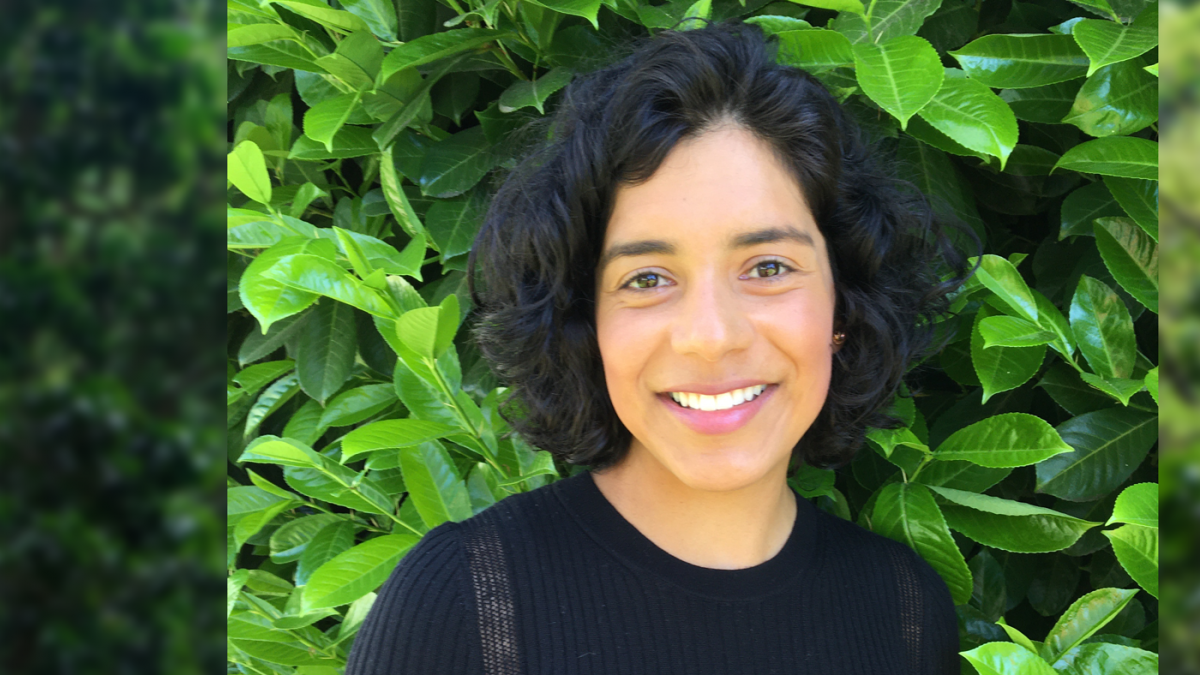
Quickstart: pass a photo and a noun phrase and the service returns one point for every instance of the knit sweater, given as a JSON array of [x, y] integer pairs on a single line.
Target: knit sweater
[[556, 581]]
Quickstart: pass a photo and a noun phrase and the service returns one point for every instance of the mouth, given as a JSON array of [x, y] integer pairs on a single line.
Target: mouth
[[723, 401], [717, 414]]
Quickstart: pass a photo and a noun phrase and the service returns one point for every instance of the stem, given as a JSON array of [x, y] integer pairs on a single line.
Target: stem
[[508, 62]]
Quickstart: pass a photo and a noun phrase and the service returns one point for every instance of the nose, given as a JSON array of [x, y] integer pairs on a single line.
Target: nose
[[711, 321]]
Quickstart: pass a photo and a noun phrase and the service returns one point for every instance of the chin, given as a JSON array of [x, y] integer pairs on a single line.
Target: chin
[[721, 474]]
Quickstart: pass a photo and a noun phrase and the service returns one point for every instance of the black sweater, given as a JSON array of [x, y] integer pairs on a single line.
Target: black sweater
[[556, 581]]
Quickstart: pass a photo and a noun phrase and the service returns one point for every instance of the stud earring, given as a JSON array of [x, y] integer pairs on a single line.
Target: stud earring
[[839, 338]]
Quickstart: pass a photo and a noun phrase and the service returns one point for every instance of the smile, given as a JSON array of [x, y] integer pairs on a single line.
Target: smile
[[723, 401]]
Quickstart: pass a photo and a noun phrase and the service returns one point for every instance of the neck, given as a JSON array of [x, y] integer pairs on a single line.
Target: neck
[[719, 529]]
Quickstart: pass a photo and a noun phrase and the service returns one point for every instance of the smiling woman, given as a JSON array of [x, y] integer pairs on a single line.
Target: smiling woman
[[701, 282]]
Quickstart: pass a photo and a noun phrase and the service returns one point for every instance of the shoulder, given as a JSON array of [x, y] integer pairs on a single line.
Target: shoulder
[[888, 568], [422, 619]]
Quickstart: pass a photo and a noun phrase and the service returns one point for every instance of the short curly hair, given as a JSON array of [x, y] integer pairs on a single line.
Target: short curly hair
[[538, 247]]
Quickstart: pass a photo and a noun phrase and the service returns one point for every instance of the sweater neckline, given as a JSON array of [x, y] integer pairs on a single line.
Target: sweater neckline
[[582, 497]]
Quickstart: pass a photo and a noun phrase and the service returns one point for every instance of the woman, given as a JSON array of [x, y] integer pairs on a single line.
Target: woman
[[698, 283]]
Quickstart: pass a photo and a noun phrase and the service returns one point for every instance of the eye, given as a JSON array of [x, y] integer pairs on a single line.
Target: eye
[[769, 268], [645, 281]]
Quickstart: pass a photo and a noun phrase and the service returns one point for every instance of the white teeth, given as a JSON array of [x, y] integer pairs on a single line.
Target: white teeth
[[719, 402]]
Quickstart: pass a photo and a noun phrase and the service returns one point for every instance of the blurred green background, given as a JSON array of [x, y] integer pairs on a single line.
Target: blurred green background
[[1179, 468], [112, 316]]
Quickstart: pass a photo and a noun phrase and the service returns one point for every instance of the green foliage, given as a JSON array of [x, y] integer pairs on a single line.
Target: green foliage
[[1023, 472]]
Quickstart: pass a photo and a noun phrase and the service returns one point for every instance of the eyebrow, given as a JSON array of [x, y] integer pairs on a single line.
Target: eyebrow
[[768, 235]]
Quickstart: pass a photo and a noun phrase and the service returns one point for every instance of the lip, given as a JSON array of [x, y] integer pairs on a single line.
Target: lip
[[714, 389], [716, 422]]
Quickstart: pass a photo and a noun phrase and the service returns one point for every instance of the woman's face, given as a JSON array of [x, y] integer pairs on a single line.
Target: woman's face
[[714, 284]]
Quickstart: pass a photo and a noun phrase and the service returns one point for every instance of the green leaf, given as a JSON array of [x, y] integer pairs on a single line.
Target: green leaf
[[379, 15], [257, 33], [1103, 328], [356, 572], [1084, 618], [1139, 198], [355, 405], [988, 590], [272, 399], [254, 635], [1052, 320], [973, 116], [854, 6], [324, 120], [251, 379], [888, 19], [1107, 42], [901, 74], [281, 451], [447, 326], [381, 256], [433, 47], [356, 61], [1009, 525], [290, 540], [1015, 635], [325, 350], [1002, 368], [1137, 505], [936, 177], [1131, 256], [326, 16], [1119, 388], [324, 277], [233, 587], [305, 424], [1006, 658], [1102, 657], [1109, 444], [417, 329], [277, 53], [1083, 206], [1004, 441], [533, 93], [588, 9], [453, 224], [1118, 100], [385, 135], [814, 49], [1121, 156], [304, 196], [1046, 104], [397, 201], [353, 252], [456, 164], [325, 545], [389, 434], [347, 142], [248, 172], [1002, 278], [434, 485], [1009, 331], [959, 475], [907, 513], [1022, 61], [1136, 548], [1152, 383], [1069, 391]]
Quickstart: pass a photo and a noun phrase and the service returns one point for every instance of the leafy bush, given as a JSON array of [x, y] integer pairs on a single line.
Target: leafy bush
[[360, 416]]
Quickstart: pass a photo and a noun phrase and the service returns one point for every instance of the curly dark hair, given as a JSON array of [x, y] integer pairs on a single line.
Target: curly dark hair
[[536, 253]]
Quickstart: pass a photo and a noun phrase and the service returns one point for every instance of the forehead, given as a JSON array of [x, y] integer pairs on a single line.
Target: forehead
[[710, 190]]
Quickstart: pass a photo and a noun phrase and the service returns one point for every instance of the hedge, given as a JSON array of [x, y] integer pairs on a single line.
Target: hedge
[[365, 138]]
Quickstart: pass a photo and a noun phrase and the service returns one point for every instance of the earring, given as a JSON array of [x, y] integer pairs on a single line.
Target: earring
[[839, 338]]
